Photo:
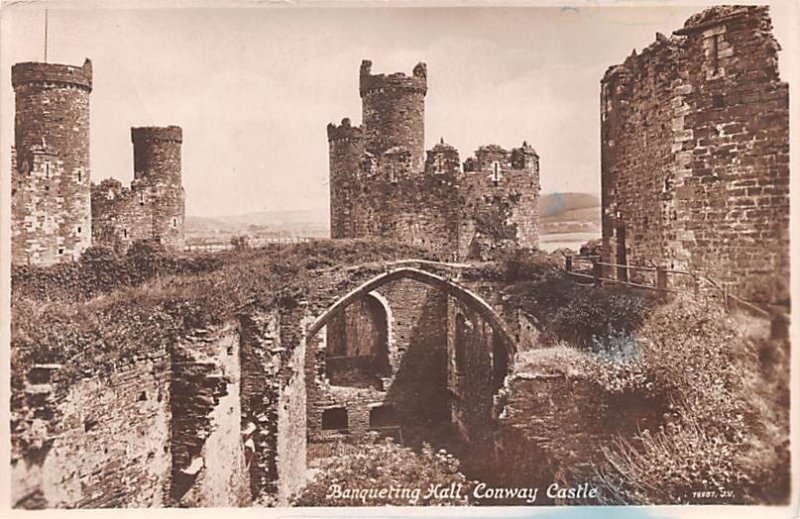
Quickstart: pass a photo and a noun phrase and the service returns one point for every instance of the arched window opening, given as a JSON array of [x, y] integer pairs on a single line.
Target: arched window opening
[[357, 345]]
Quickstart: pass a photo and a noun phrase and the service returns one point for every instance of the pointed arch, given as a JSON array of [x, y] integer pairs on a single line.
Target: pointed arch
[[465, 296]]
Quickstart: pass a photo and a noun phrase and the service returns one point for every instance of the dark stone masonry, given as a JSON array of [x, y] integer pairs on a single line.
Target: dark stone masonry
[[153, 207], [695, 154], [50, 199], [382, 185], [57, 212]]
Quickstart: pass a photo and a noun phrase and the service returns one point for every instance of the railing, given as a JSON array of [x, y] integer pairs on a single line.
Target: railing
[[598, 272]]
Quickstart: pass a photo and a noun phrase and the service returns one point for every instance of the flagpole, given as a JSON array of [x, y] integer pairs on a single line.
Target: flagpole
[[45, 35]]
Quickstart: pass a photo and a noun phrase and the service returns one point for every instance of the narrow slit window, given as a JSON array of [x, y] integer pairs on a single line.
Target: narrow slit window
[[496, 173], [715, 53]]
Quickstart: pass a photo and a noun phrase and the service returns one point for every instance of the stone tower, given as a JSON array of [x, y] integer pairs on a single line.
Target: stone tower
[[394, 112], [157, 180], [346, 149], [51, 199], [695, 154]]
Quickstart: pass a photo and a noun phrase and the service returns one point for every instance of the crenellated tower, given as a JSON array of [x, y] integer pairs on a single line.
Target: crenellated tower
[[157, 177], [382, 184], [153, 208], [51, 200], [346, 150], [393, 111]]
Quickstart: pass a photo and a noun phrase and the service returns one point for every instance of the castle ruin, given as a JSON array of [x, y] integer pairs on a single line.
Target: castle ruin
[[695, 154], [57, 213], [383, 184]]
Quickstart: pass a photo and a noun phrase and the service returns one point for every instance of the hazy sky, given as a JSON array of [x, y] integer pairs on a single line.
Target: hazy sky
[[254, 89]]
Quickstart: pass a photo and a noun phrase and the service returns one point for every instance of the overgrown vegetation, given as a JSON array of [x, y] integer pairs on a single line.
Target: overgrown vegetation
[[407, 478], [728, 431], [590, 318], [124, 307], [724, 383]]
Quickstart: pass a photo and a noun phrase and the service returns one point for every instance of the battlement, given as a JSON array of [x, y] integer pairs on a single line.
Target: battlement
[[345, 131], [157, 133], [369, 83], [516, 159], [442, 158], [37, 73]]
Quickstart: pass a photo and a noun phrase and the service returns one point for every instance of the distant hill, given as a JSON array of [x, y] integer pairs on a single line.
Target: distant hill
[[569, 213], [283, 223], [559, 212], [556, 203]]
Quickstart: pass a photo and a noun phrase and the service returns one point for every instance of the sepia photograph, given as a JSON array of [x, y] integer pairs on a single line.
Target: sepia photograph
[[330, 256]]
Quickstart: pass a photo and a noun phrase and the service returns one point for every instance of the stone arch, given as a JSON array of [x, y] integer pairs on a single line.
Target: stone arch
[[460, 293]]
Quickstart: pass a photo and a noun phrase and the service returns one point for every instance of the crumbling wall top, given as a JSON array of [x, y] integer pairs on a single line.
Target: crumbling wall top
[[157, 133], [718, 14], [344, 131], [417, 82]]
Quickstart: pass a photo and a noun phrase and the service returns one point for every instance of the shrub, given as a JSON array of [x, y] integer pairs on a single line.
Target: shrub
[[728, 430], [384, 464], [586, 317]]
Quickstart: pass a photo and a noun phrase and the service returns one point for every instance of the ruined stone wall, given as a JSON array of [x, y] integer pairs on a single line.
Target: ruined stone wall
[[154, 206], [415, 388], [121, 216], [51, 213], [695, 153], [411, 208], [216, 419], [273, 404], [208, 458], [101, 441], [394, 111]]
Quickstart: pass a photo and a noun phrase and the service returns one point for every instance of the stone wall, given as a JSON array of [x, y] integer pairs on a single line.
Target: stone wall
[[216, 419], [695, 154], [50, 194], [103, 441], [426, 392], [208, 459], [501, 207], [273, 405]]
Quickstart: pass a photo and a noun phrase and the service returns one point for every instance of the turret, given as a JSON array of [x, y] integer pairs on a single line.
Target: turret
[[442, 159], [157, 180], [346, 149], [51, 198], [394, 111]]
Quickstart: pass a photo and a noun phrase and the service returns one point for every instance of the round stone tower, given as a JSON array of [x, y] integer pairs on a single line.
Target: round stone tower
[[51, 198], [394, 111], [157, 180], [346, 149]]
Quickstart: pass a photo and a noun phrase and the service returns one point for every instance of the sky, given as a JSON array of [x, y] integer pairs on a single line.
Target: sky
[[254, 88]]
